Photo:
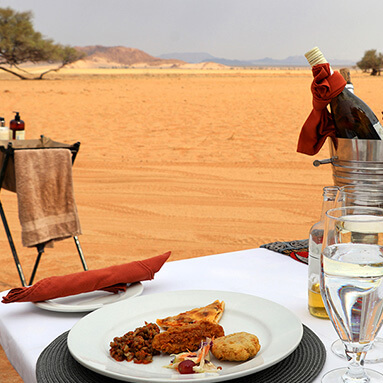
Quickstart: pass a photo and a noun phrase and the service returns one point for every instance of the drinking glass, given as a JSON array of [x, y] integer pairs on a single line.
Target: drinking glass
[[352, 285], [361, 195]]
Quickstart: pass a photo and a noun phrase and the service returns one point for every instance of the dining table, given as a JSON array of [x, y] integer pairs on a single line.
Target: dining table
[[27, 329]]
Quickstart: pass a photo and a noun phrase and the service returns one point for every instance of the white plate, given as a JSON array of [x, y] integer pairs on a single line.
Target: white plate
[[278, 329], [89, 301]]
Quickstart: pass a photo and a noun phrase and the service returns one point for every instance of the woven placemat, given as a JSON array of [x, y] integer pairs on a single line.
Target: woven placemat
[[56, 365], [298, 249]]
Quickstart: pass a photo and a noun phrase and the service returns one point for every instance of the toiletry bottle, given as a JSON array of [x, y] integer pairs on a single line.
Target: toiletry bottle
[[4, 131], [17, 128]]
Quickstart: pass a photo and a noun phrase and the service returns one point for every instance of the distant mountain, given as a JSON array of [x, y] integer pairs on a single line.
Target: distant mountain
[[98, 55], [267, 61], [200, 57], [190, 57], [289, 61], [232, 63]]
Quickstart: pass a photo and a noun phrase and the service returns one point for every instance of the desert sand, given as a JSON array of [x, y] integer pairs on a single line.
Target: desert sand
[[197, 162]]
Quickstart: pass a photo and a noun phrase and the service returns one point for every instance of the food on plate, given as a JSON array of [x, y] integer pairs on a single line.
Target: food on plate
[[187, 337], [186, 367], [190, 337], [237, 347], [135, 345], [210, 313], [191, 362]]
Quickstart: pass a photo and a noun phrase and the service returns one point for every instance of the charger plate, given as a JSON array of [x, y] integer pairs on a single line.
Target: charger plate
[[56, 365]]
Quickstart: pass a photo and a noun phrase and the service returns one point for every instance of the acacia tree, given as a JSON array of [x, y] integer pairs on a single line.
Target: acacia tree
[[371, 61], [20, 43]]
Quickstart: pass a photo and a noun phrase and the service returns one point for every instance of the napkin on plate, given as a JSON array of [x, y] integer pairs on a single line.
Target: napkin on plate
[[113, 279], [319, 124]]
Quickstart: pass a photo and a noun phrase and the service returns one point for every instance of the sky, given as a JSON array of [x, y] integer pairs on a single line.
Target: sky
[[231, 29]]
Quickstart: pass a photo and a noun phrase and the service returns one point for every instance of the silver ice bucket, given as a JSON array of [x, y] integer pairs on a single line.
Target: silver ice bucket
[[356, 162]]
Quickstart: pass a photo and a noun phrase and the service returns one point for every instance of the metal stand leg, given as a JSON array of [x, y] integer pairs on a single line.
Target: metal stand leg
[[77, 242], [12, 245], [7, 153], [40, 249]]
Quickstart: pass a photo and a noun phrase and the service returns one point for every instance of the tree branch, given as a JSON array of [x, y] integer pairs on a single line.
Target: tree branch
[[40, 77], [50, 70], [21, 69], [14, 73]]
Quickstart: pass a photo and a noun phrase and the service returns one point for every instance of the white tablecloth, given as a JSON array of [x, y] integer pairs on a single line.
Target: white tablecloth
[[25, 330]]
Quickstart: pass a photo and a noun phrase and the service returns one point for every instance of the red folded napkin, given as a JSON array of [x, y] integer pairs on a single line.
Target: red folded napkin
[[319, 125], [113, 279]]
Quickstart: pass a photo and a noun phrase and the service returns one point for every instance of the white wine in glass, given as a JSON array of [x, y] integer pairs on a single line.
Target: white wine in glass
[[370, 195], [352, 285]]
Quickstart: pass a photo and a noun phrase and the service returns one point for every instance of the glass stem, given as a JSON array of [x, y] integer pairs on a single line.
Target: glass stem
[[355, 372]]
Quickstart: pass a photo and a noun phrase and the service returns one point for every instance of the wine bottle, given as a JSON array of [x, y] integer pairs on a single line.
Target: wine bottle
[[352, 117], [345, 72]]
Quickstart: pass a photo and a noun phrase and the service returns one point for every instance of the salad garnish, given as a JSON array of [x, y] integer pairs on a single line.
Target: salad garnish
[[200, 358]]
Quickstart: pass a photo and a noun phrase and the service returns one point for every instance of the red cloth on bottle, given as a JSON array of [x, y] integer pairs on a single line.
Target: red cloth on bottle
[[113, 279], [319, 125]]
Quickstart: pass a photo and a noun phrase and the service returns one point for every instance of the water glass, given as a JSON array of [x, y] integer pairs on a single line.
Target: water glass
[[352, 285]]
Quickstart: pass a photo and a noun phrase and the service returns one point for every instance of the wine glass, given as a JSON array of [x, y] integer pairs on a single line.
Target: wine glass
[[352, 285], [361, 195]]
